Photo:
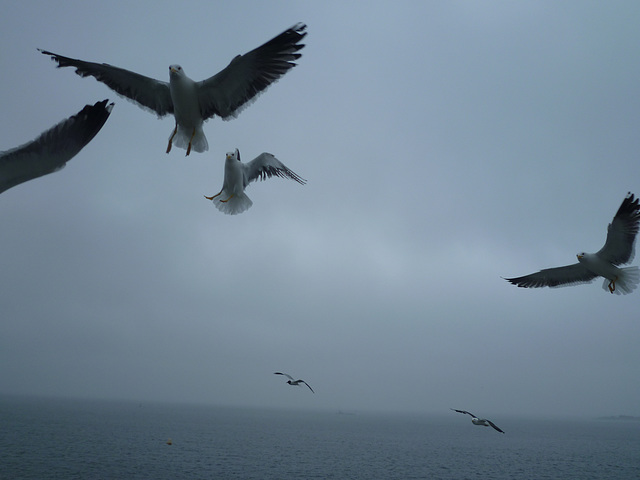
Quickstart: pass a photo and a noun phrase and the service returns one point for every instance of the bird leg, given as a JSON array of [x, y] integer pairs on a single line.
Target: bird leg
[[225, 201], [190, 140], [612, 285], [175, 130], [211, 198]]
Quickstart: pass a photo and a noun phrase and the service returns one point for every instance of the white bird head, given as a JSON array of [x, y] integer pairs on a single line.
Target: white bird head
[[234, 155], [176, 70]]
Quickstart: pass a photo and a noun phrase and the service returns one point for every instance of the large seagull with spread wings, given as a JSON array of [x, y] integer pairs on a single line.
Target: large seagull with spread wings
[[191, 103], [618, 250]]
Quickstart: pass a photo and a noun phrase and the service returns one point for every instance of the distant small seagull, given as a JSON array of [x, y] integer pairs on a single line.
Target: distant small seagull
[[479, 421], [191, 103], [237, 176], [291, 381], [618, 250], [54, 148]]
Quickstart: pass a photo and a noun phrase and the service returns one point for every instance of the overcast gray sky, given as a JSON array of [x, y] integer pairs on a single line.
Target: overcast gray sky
[[445, 144]]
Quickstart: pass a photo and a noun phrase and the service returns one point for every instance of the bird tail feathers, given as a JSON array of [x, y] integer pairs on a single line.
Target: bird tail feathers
[[198, 143], [627, 281], [235, 204]]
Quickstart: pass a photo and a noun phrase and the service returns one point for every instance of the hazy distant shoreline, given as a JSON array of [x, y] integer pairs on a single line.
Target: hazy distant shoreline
[[621, 417]]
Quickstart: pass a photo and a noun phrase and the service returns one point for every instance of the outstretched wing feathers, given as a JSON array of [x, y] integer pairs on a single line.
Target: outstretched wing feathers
[[266, 166], [147, 92], [621, 233], [465, 412], [494, 426], [230, 90], [52, 149], [555, 277]]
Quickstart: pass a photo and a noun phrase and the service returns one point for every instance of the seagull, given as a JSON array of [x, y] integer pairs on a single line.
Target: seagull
[[237, 176], [191, 103], [479, 421], [54, 148], [618, 249], [291, 381]]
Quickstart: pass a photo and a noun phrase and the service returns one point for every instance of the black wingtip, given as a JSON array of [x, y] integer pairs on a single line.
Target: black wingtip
[[299, 28], [46, 52], [513, 281], [630, 206]]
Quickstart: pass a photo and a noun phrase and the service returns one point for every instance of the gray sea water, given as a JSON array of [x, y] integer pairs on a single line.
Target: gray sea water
[[73, 439]]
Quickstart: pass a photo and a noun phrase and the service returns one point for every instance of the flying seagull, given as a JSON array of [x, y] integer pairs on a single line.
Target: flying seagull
[[237, 176], [54, 148], [618, 249], [479, 421], [225, 94], [291, 381]]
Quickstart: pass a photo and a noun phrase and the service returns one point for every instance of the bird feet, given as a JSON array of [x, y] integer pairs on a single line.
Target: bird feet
[[612, 285], [225, 201], [175, 130], [190, 140], [211, 198]]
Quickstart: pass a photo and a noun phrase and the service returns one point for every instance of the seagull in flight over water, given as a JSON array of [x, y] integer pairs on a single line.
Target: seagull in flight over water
[[191, 103], [479, 421], [54, 148], [618, 249], [291, 381], [237, 176]]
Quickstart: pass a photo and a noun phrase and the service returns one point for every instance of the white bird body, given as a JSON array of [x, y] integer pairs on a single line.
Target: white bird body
[[237, 175], [480, 421], [235, 181], [186, 109], [625, 279], [599, 266]]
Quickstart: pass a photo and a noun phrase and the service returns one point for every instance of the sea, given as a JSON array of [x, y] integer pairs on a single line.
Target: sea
[[89, 439]]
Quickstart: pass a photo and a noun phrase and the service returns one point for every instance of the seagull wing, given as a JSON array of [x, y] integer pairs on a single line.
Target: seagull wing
[[285, 374], [465, 412], [53, 148], [555, 277], [308, 386], [494, 426], [621, 233], [227, 92], [266, 166], [145, 91]]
